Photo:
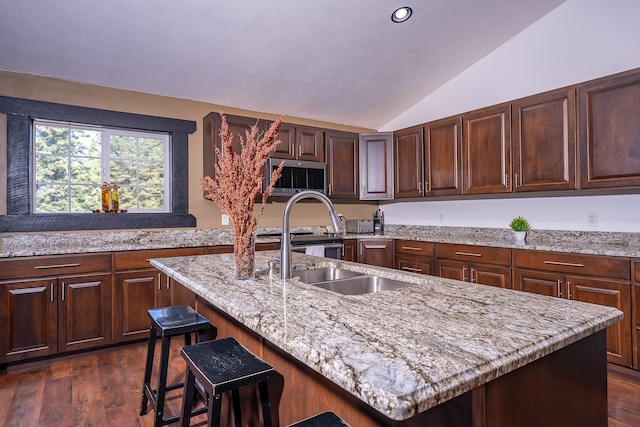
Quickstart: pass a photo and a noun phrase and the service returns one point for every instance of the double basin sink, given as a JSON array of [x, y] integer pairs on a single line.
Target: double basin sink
[[347, 282]]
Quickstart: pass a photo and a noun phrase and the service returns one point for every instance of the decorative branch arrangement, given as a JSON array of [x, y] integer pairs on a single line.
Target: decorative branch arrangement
[[239, 177]]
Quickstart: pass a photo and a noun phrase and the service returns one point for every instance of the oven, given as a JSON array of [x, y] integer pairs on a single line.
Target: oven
[[327, 246]]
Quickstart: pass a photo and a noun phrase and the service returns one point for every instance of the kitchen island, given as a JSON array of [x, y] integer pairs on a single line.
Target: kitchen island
[[440, 352]]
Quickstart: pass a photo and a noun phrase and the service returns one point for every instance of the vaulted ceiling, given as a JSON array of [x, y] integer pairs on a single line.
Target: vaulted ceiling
[[340, 61]]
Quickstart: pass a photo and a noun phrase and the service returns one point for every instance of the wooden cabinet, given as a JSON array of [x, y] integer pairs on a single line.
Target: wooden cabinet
[[139, 287], [609, 131], [407, 158], [635, 303], [300, 142], [350, 251], [474, 264], [342, 164], [487, 145], [443, 157], [587, 278], [544, 142], [378, 252], [414, 256], [68, 309], [376, 166]]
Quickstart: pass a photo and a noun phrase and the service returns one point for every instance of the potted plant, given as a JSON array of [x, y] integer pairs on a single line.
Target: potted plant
[[520, 226]]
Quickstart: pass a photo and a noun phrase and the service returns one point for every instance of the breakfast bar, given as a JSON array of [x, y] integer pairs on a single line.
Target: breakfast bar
[[436, 352]]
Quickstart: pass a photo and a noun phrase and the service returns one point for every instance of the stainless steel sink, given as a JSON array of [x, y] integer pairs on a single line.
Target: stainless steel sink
[[347, 282], [362, 285], [316, 275]]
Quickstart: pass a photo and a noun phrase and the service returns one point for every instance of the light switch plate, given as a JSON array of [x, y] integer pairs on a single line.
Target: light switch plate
[[225, 219], [592, 219]]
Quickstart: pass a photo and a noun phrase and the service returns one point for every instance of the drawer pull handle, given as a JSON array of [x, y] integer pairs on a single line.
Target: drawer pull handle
[[411, 248], [412, 269], [44, 267], [566, 264], [375, 246], [467, 254]]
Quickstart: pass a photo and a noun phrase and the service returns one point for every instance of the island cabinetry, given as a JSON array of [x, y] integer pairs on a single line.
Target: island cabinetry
[[609, 130], [474, 264], [300, 142], [376, 165], [414, 256], [588, 278], [407, 157], [342, 164], [544, 142], [487, 145], [378, 252], [635, 301], [443, 157], [350, 250], [54, 304], [139, 287]]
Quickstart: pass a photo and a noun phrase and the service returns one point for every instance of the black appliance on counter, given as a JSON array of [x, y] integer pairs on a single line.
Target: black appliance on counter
[[328, 245]]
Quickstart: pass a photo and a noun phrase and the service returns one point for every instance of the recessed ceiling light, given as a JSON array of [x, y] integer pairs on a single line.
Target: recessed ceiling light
[[401, 14]]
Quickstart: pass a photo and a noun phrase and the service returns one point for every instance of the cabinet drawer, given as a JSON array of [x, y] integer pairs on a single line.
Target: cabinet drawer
[[475, 254], [590, 265], [414, 263], [54, 265], [413, 247], [140, 259], [636, 271]]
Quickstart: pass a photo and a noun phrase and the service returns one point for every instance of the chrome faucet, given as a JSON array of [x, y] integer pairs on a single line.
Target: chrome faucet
[[285, 242]]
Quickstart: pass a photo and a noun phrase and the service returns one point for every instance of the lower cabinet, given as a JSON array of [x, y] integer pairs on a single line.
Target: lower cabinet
[[378, 252], [59, 313], [587, 278], [414, 256], [635, 303], [350, 250], [474, 264]]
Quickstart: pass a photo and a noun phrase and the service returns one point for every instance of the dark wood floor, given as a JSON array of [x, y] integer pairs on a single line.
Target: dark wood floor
[[102, 388]]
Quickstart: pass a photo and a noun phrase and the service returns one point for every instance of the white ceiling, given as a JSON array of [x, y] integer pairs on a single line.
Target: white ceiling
[[340, 61]]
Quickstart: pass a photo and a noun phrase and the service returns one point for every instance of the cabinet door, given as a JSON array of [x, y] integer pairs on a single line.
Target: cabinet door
[[544, 142], [443, 157], [492, 275], [135, 293], [611, 293], [487, 143], [350, 252], [28, 319], [181, 295], [450, 269], [635, 303], [407, 156], [310, 143], [84, 311], [414, 263], [376, 166], [342, 163], [609, 130], [538, 282], [287, 147], [378, 252]]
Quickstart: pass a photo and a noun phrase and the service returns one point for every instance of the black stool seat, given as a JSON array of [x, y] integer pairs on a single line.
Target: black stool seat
[[325, 419], [220, 366], [167, 322]]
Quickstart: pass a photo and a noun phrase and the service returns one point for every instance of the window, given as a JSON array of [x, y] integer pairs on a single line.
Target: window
[[72, 161]]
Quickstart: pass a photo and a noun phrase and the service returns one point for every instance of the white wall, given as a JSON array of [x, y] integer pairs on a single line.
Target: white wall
[[578, 41]]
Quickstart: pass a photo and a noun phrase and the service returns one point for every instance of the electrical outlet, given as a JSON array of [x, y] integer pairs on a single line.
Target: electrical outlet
[[441, 218], [592, 219], [225, 219]]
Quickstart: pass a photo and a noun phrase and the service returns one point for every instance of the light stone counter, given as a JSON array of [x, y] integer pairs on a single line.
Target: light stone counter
[[401, 351]]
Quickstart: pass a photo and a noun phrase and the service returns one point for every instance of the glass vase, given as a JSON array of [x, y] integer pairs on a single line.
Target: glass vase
[[244, 250]]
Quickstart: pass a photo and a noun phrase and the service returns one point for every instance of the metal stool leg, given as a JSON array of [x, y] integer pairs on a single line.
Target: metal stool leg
[[147, 371], [162, 381], [237, 417], [215, 407], [189, 385], [264, 402]]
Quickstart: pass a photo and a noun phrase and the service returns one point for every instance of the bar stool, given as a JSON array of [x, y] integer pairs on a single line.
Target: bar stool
[[167, 322], [325, 419], [220, 366]]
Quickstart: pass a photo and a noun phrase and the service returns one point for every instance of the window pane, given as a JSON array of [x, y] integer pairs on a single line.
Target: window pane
[[151, 174], [51, 169], [151, 149], [86, 170], [52, 139], [151, 198], [128, 198], [85, 198], [52, 198], [86, 143], [123, 147], [123, 172]]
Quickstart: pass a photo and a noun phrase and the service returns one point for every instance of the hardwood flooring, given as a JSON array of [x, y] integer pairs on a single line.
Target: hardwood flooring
[[102, 388]]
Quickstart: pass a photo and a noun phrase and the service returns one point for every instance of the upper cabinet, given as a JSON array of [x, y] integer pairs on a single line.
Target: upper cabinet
[[544, 142], [610, 131], [443, 157], [376, 166], [407, 150], [342, 164], [487, 145], [301, 143]]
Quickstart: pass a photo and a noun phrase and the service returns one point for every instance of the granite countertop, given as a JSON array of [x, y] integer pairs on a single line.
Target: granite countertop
[[594, 243], [401, 351]]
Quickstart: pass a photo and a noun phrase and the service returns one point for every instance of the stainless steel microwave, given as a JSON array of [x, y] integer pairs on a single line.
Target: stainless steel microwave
[[297, 176]]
